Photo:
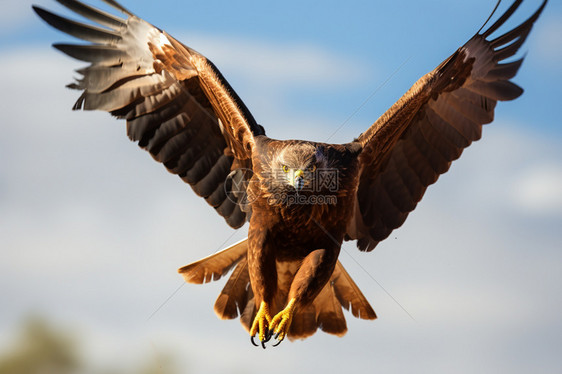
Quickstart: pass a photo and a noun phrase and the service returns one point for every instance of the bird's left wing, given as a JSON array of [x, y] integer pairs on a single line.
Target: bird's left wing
[[177, 104], [416, 140]]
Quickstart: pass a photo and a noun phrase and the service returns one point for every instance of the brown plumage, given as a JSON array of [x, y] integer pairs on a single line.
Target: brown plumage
[[325, 312], [302, 199]]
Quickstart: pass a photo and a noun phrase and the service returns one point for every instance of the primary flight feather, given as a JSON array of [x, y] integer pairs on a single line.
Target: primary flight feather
[[302, 199]]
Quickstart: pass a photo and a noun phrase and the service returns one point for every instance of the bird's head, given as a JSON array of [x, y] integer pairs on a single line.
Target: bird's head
[[316, 172], [296, 165], [290, 166]]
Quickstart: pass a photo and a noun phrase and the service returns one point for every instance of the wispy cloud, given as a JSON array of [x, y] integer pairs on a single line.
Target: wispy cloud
[[280, 64], [92, 231]]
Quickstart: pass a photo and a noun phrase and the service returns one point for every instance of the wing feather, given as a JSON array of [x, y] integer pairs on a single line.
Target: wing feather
[[94, 14], [417, 139], [104, 55], [175, 101], [79, 30]]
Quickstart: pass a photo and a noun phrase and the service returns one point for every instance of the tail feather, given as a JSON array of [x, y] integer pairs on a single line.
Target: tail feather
[[237, 299], [249, 314], [329, 313], [234, 296], [340, 291], [216, 265], [349, 295], [304, 323]]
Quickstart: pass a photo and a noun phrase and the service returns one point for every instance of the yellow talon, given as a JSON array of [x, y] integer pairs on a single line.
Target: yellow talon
[[261, 323], [282, 321]]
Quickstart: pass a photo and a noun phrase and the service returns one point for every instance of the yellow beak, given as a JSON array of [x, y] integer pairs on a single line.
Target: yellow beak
[[297, 180]]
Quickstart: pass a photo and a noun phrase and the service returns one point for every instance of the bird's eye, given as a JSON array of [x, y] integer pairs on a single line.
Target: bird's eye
[[312, 168], [285, 168]]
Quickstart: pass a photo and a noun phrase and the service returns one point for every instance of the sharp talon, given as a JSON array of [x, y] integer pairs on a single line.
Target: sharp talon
[[268, 336], [252, 340], [260, 326], [278, 342], [277, 335]]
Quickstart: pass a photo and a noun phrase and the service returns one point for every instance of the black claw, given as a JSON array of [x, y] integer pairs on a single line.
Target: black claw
[[252, 340], [276, 337], [268, 336]]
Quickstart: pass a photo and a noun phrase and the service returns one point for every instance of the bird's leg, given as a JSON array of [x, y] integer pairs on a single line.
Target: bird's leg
[[282, 321], [315, 270], [261, 325], [263, 278]]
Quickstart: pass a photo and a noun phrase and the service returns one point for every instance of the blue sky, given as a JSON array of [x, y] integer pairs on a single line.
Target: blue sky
[[93, 229]]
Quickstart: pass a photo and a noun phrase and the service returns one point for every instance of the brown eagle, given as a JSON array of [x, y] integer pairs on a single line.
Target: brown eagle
[[302, 199]]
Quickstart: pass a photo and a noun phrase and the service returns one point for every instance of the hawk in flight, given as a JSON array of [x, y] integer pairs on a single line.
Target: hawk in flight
[[302, 199]]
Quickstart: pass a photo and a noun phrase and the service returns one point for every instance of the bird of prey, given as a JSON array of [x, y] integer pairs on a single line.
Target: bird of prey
[[302, 199]]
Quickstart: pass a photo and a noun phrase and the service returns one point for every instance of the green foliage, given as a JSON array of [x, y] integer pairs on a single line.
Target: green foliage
[[41, 348]]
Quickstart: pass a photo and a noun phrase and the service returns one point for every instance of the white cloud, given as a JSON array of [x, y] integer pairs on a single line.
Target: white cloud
[[281, 65], [539, 190], [268, 76]]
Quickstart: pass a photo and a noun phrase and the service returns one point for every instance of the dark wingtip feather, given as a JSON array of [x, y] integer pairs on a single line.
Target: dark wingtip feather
[[77, 29], [45, 15], [92, 53], [490, 16], [529, 22], [80, 102], [93, 14], [119, 7], [500, 21], [37, 9], [505, 71]]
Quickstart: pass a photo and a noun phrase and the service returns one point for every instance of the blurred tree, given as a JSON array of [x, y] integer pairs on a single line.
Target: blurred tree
[[44, 349], [41, 350]]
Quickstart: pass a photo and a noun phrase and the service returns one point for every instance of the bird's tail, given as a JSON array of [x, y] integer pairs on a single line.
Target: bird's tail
[[237, 299]]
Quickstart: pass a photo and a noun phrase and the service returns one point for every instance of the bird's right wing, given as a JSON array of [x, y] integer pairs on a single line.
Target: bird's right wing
[[177, 104]]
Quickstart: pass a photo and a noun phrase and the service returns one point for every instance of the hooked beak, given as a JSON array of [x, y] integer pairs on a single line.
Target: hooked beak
[[298, 181]]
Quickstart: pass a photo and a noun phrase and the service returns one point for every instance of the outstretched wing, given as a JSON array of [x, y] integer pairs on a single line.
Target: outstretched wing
[[177, 104], [416, 140]]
